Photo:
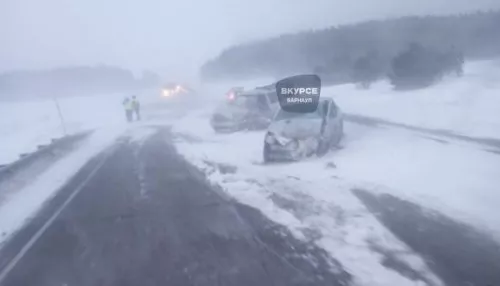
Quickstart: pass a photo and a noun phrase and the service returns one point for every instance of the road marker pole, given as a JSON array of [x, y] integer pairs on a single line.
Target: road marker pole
[[61, 117]]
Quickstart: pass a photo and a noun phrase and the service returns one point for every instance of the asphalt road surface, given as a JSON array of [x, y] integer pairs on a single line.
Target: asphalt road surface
[[458, 253], [140, 215]]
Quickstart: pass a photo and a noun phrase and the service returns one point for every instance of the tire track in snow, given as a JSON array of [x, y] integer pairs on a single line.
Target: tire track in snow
[[459, 254], [374, 122]]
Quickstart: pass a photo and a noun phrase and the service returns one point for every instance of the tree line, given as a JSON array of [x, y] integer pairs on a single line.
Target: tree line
[[411, 51]]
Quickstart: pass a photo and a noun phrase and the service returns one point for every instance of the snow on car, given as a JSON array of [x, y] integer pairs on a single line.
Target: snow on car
[[247, 110], [293, 136]]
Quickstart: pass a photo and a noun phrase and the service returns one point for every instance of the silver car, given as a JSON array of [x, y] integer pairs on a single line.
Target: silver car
[[248, 110], [293, 136]]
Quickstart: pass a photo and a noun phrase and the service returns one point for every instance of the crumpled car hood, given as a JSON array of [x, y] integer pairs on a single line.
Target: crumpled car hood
[[296, 128]]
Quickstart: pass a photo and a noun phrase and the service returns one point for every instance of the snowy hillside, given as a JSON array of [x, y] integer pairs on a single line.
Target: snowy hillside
[[467, 106]]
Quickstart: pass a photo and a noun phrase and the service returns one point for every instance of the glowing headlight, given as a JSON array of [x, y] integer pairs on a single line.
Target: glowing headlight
[[166, 92]]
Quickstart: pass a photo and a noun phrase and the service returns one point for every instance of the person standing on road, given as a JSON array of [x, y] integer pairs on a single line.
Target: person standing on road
[[137, 107], [129, 109]]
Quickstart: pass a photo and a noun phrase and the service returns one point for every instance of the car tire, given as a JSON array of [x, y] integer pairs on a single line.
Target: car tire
[[322, 148]]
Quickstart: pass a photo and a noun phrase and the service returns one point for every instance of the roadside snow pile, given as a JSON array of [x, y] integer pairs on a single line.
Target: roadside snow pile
[[309, 197], [21, 205], [467, 106], [26, 124], [456, 178]]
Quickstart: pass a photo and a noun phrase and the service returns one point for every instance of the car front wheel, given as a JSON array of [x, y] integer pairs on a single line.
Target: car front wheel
[[322, 147]]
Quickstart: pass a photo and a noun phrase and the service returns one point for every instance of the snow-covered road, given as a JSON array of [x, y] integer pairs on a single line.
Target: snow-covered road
[[314, 198], [323, 201]]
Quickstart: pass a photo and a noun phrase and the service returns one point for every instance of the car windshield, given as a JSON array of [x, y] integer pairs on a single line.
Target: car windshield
[[283, 115]]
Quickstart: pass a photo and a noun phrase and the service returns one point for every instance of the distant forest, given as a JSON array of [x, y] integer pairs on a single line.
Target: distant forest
[[367, 51], [71, 81]]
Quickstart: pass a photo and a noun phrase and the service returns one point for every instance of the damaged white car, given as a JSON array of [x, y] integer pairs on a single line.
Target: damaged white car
[[294, 136]]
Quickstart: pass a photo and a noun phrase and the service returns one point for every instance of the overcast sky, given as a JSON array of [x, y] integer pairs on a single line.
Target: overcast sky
[[167, 35]]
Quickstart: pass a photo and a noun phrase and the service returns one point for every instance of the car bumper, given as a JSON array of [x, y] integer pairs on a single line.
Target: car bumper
[[281, 153], [306, 148]]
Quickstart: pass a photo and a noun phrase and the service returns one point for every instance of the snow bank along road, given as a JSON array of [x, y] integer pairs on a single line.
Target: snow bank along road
[[139, 214]]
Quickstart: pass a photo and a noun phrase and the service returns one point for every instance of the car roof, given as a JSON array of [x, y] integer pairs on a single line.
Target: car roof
[[255, 92], [267, 87]]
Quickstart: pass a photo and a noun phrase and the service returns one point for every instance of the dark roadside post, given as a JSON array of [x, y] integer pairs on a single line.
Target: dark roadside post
[[300, 93], [61, 117]]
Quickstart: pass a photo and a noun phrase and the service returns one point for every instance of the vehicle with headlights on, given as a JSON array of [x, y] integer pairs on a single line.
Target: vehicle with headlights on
[[176, 89], [294, 136]]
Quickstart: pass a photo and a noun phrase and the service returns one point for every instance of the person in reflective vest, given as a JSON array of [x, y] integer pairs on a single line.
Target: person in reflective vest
[[136, 107], [128, 105]]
